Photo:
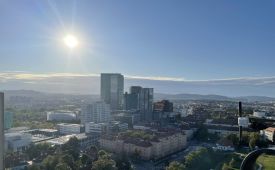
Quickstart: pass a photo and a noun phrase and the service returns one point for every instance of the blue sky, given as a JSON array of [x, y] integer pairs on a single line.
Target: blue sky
[[187, 40]]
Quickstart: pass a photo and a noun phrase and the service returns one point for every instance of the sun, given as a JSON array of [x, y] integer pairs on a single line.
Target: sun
[[71, 41]]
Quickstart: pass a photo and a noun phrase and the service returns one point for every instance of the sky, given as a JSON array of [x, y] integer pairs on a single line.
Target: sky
[[165, 41]]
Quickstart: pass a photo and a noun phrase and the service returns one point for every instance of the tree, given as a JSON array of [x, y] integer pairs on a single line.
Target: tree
[[68, 160], [175, 166], [92, 152], [104, 162], [252, 143], [35, 167], [103, 154], [123, 163], [232, 163], [50, 162], [201, 134], [72, 147], [225, 167], [234, 138], [62, 166]]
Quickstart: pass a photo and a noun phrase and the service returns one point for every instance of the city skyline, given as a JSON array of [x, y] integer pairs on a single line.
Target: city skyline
[[188, 41]]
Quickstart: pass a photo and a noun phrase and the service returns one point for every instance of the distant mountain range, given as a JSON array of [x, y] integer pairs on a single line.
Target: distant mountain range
[[157, 96]]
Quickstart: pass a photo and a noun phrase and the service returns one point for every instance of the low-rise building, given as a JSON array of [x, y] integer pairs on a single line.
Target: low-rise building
[[93, 127], [259, 114], [116, 126], [84, 140], [17, 141], [224, 145], [68, 128], [154, 145], [61, 116], [269, 134]]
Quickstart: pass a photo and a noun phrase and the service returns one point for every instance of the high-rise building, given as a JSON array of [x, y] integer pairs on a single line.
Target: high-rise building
[[2, 144], [162, 109], [8, 120], [163, 106], [146, 103], [111, 89], [140, 99], [98, 112], [131, 101], [135, 89]]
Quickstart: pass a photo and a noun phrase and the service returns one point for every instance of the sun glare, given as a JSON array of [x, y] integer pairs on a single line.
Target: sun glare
[[71, 41]]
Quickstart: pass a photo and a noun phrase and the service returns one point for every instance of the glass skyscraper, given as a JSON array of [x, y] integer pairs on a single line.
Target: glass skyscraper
[[111, 90], [8, 120]]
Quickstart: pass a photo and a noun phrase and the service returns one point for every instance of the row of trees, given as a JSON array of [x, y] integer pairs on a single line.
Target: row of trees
[[251, 139], [205, 157]]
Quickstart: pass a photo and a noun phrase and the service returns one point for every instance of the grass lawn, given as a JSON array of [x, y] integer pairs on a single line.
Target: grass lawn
[[268, 162]]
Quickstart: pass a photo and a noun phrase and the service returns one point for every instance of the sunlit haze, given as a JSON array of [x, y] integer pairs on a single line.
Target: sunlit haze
[[71, 41]]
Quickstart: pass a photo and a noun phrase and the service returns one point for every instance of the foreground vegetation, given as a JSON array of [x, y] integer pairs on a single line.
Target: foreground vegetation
[[267, 161], [68, 157]]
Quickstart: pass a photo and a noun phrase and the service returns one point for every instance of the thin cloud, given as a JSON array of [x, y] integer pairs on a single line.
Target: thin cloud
[[159, 78], [34, 77]]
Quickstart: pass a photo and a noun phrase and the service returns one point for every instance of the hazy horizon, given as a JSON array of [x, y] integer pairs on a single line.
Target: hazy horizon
[[71, 83]]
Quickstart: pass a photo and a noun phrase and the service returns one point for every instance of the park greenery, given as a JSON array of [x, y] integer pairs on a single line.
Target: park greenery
[[266, 161], [207, 158]]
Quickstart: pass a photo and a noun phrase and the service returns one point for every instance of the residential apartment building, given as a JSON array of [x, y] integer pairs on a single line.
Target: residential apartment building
[[98, 112], [163, 143]]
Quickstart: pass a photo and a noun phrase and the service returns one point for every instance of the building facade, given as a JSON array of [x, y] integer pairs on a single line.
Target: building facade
[[140, 99], [61, 116], [98, 112], [269, 134], [146, 104], [17, 141], [163, 145], [8, 120], [68, 128], [99, 128], [111, 90]]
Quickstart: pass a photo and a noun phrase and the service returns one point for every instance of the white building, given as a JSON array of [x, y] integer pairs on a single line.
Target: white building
[[92, 127], [98, 112], [17, 141], [259, 114], [68, 128], [61, 116], [269, 133], [84, 140]]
